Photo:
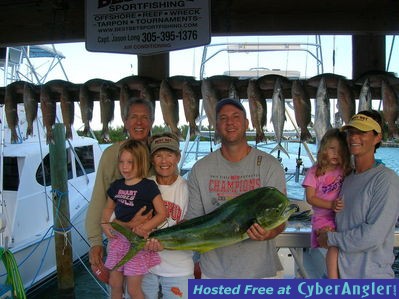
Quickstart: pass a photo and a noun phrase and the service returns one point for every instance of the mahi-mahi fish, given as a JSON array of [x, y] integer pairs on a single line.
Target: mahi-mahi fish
[[322, 120], [278, 115], [191, 107], [257, 109], [170, 107], [226, 225], [302, 108], [345, 101], [390, 108]]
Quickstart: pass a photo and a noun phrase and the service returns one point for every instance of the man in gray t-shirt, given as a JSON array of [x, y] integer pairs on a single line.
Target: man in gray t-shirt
[[224, 174]]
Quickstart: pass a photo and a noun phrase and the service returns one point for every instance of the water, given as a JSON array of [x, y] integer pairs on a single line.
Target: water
[[294, 188], [86, 286]]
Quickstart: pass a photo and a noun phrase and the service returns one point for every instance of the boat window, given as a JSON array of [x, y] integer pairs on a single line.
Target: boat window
[[40, 173], [86, 157], [10, 174]]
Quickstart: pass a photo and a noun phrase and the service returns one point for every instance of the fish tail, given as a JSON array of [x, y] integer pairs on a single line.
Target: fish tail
[[260, 136], [281, 148], [29, 130], [194, 131], [68, 132], [305, 135], [136, 243], [14, 136], [129, 255]]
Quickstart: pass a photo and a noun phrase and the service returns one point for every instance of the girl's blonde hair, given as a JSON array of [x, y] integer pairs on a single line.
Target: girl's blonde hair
[[140, 153], [322, 161]]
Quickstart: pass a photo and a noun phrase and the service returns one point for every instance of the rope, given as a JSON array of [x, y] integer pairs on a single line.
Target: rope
[[41, 262], [13, 276]]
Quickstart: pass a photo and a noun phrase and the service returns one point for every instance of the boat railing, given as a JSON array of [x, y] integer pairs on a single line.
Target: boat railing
[[292, 135], [314, 49]]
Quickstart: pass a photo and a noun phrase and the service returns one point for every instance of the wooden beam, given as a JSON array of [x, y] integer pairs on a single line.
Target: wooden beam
[[154, 66], [368, 54], [28, 22]]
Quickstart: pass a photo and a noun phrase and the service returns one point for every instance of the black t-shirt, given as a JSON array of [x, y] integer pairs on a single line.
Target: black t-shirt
[[130, 199]]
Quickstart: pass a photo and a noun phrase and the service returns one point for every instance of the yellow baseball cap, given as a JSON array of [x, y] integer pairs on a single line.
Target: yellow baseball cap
[[363, 123]]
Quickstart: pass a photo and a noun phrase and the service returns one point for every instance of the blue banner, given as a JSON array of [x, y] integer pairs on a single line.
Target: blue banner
[[293, 288]]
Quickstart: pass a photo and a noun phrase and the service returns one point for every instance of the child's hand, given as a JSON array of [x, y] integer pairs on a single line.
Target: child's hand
[[108, 230], [338, 205]]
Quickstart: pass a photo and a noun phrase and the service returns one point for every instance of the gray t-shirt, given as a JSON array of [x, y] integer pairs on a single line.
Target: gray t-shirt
[[211, 182], [366, 225]]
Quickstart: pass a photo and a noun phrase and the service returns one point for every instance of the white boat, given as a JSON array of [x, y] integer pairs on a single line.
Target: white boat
[[26, 198]]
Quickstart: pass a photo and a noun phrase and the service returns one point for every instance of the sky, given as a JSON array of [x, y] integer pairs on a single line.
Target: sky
[[81, 65]]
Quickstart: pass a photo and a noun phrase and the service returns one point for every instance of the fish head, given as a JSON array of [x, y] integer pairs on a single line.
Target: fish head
[[271, 217]]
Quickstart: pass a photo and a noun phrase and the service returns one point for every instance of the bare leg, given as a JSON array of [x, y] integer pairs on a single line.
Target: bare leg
[[332, 263], [134, 287], [116, 284]]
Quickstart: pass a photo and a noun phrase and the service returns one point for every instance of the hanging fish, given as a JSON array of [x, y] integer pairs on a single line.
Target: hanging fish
[[223, 85], [11, 109], [191, 107], [345, 101], [267, 82], [390, 108], [365, 97], [31, 105], [123, 98], [170, 107], [177, 82], [375, 78], [146, 93], [209, 101], [67, 110], [278, 115], [330, 80], [257, 109], [48, 105], [322, 120], [107, 106], [86, 107], [302, 109], [233, 92]]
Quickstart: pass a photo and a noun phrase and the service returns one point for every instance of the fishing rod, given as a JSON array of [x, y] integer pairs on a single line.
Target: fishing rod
[[299, 163]]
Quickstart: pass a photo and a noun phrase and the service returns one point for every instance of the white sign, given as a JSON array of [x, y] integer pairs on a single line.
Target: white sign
[[146, 26]]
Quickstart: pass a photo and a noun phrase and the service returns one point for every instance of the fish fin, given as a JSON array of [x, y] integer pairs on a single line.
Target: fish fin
[[289, 210], [281, 148]]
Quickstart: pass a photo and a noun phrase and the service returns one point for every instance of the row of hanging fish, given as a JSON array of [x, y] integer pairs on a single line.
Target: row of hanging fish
[[372, 85]]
